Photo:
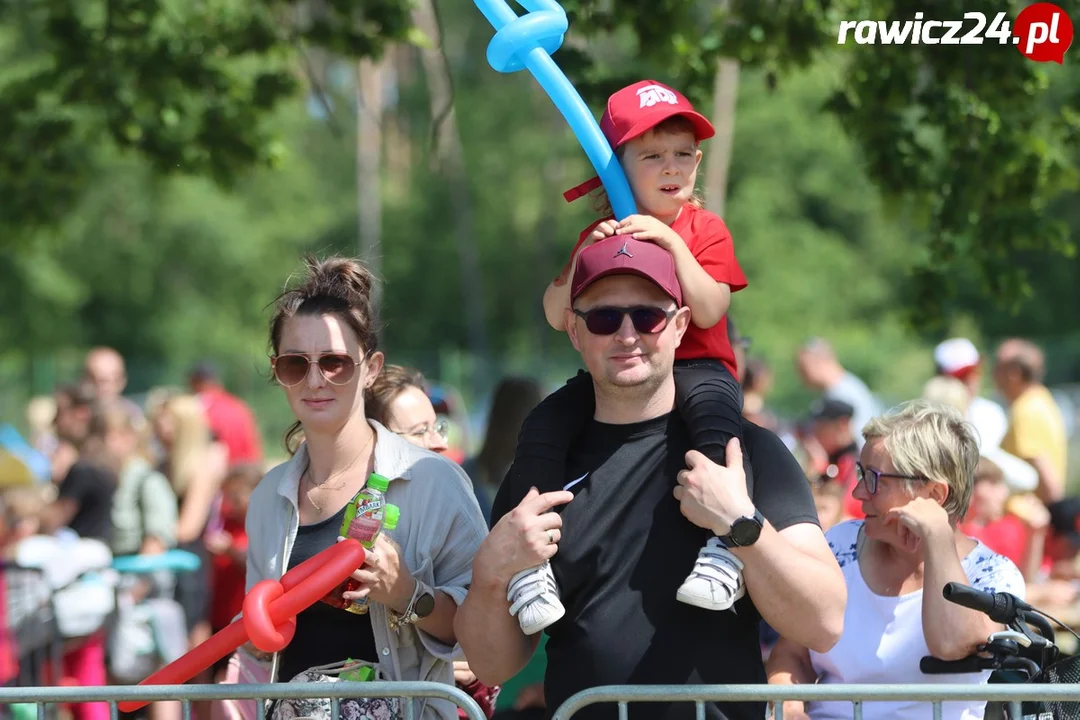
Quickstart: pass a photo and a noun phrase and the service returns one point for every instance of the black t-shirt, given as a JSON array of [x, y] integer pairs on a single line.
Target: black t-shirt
[[324, 634], [91, 487], [626, 549]]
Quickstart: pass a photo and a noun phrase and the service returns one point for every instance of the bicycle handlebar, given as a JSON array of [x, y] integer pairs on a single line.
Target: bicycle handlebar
[[1000, 607], [1000, 653], [930, 665]]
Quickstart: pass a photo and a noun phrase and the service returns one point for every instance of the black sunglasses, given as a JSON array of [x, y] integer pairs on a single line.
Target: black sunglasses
[[607, 320], [871, 477]]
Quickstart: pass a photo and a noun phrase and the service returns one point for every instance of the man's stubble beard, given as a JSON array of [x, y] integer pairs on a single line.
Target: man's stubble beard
[[644, 388]]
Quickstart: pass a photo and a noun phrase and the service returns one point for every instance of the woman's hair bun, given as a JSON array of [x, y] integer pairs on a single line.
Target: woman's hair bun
[[338, 278]]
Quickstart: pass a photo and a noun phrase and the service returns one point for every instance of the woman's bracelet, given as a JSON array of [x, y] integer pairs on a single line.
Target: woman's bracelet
[[410, 615]]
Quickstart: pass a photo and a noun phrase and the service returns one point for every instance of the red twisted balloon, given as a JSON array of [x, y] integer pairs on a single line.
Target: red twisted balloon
[[269, 617]]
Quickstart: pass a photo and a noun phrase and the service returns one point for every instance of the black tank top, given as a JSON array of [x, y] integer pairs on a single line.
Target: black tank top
[[324, 634]]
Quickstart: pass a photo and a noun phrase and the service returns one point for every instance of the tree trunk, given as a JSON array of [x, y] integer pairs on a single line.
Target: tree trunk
[[398, 129], [725, 98], [369, 108], [449, 157]]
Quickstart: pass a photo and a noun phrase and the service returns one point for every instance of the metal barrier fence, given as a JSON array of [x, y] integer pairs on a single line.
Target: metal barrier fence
[[335, 692], [1013, 695]]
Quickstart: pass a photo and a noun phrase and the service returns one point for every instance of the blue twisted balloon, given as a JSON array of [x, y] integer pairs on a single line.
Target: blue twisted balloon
[[528, 42]]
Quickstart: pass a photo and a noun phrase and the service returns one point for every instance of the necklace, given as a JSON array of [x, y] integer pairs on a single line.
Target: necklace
[[324, 486]]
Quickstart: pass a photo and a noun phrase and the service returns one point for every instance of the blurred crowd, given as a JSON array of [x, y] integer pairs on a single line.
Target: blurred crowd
[[177, 472]]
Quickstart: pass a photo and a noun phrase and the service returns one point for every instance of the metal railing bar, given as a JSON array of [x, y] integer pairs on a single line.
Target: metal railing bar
[[156, 693], [856, 694]]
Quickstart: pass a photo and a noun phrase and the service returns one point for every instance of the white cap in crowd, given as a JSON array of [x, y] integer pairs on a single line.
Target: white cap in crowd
[[956, 357]]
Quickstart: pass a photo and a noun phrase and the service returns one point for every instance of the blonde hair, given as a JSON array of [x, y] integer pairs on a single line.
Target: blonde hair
[[114, 418], [190, 441], [40, 413], [946, 390], [25, 503], [934, 442], [674, 125]]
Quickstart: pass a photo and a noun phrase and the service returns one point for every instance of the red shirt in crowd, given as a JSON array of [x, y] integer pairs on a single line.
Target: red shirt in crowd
[[233, 425], [228, 577], [709, 241], [1007, 536]]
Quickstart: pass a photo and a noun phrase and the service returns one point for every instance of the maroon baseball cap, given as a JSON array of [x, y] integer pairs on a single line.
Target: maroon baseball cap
[[620, 255], [635, 110]]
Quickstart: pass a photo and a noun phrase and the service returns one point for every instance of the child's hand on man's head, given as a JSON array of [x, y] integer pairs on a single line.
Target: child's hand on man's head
[[646, 227], [603, 231]]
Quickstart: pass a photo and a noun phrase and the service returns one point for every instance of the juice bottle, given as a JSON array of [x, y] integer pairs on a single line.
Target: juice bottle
[[391, 515], [366, 516]]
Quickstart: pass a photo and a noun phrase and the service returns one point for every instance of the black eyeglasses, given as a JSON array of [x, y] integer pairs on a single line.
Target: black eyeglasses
[[871, 477], [607, 320]]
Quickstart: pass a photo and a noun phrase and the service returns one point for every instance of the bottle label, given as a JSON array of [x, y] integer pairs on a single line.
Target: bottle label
[[369, 506], [364, 529]]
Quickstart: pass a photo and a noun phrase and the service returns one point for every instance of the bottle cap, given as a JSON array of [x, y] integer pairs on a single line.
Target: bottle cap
[[378, 482], [391, 515]]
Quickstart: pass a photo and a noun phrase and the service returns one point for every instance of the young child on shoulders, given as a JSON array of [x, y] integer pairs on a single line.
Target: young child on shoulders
[[656, 135]]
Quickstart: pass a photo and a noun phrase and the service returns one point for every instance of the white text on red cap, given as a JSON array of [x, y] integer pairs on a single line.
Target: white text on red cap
[[652, 94]]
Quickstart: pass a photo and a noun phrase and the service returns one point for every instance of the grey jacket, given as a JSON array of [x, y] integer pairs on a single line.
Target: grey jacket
[[440, 529]]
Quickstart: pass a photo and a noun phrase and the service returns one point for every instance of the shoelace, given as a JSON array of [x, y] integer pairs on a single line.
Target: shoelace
[[716, 562], [529, 585]]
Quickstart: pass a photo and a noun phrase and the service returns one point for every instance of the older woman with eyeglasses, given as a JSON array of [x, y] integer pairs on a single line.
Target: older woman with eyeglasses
[[398, 399], [915, 480]]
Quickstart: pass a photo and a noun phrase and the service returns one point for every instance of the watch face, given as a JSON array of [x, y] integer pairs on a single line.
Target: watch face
[[424, 606], [745, 532]]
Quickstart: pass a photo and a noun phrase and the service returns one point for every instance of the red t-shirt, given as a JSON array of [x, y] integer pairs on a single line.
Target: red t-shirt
[[1006, 536], [232, 422], [846, 474], [228, 579], [709, 241]]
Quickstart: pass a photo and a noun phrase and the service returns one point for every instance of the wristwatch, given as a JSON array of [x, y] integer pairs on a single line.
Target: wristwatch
[[745, 531], [421, 604]]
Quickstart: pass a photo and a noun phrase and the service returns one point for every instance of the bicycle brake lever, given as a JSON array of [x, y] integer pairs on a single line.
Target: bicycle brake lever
[[1033, 638], [1019, 638]]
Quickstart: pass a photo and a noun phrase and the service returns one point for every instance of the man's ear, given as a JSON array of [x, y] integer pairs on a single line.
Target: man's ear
[[570, 323], [681, 322]]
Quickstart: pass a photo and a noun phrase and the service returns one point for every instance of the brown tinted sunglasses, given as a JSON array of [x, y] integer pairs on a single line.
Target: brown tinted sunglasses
[[336, 368]]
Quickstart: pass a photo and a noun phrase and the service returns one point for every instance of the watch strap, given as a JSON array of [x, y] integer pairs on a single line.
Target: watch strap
[[757, 518], [410, 616]]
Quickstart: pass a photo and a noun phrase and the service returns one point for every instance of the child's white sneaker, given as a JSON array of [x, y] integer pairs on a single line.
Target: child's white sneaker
[[716, 581], [534, 598]]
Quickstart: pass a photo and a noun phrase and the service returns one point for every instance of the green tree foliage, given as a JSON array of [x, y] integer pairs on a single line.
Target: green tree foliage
[[957, 134], [186, 84], [960, 135], [827, 203]]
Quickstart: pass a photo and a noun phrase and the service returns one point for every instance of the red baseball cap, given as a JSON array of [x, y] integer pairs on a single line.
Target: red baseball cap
[[625, 256], [636, 109]]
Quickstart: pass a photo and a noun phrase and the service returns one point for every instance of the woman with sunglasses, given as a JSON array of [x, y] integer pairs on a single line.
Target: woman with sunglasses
[[325, 357], [915, 477]]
